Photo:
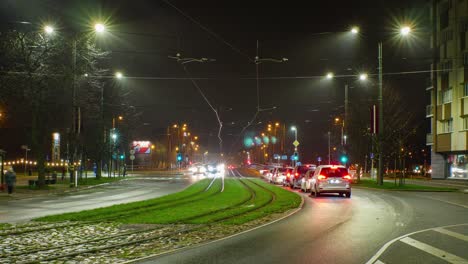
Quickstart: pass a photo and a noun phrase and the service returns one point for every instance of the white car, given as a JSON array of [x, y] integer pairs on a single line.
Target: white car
[[306, 181], [331, 179], [280, 175]]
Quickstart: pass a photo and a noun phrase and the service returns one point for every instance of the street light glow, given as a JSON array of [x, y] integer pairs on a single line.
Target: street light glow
[[354, 30], [114, 136], [48, 29], [363, 76], [118, 75], [99, 27], [404, 31], [293, 128], [330, 75]]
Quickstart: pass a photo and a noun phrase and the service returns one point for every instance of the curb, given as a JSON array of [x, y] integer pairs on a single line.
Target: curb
[[404, 190], [217, 240]]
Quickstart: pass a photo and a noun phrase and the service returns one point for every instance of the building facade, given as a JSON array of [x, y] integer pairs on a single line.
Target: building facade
[[448, 87]]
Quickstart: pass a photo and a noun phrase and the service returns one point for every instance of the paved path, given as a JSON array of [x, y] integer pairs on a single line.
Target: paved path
[[134, 189]]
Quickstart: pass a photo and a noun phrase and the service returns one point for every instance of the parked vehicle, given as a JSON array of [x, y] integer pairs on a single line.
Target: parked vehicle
[[306, 181], [279, 175], [295, 181], [331, 179]]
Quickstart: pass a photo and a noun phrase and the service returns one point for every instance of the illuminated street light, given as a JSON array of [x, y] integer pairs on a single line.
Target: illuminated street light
[[277, 124], [99, 27], [120, 118], [118, 75], [114, 136], [330, 75], [293, 128], [337, 119], [404, 31], [174, 126], [48, 29], [354, 30], [363, 76]]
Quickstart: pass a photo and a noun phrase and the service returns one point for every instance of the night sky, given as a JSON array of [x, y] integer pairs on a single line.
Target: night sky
[[311, 34]]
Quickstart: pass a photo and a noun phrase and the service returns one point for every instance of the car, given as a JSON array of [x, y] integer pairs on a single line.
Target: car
[[198, 169], [331, 179], [279, 175], [298, 174], [305, 183]]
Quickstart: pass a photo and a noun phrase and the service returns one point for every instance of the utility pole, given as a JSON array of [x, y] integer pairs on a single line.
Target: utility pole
[[329, 150], [381, 116]]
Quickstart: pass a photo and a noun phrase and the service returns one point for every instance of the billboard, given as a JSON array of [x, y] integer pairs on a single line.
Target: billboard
[[141, 147]]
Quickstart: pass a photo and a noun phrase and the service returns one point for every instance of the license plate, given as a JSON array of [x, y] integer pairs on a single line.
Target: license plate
[[335, 181]]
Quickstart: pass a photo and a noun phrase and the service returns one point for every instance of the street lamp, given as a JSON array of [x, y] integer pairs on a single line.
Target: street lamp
[[330, 75], [98, 27], [363, 76], [118, 75], [48, 29], [354, 30], [406, 30]]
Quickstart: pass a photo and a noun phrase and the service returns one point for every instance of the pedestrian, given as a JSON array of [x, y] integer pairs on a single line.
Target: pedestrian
[[124, 169], [10, 178]]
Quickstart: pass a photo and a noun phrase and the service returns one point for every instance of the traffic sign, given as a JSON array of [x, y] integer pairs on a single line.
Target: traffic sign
[[319, 159], [132, 152], [284, 157], [296, 143], [132, 157]]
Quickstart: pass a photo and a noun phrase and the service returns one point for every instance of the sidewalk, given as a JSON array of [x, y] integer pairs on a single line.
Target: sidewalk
[[461, 185]]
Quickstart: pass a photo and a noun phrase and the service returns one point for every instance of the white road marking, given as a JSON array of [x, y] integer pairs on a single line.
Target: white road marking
[[452, 234], [378, 262], [444, 201], [374, 258], [434, 251]]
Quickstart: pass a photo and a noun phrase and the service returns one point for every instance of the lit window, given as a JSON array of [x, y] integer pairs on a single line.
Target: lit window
[[446, 96], [447, 126]]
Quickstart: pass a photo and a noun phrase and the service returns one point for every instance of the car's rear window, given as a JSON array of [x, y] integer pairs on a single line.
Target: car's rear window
[[334, 172], [303, 169]]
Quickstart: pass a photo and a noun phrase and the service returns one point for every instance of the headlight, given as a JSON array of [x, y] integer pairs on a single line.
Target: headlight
[[220, 167], [193, 169], [210, 168], [202, 169]]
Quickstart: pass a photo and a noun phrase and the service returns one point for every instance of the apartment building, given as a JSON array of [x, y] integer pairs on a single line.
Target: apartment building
[[448, 87]]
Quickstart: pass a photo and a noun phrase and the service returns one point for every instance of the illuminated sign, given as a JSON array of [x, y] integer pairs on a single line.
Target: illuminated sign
[[141, 147]]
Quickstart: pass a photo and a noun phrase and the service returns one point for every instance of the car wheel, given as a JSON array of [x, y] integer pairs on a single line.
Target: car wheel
[[348, 195]]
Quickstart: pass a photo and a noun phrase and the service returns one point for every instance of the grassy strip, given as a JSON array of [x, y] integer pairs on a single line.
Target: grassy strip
[[105, 212], [261, 198], [407, 187], [285, 200], [234, 193], [4, 226], [94, 181]]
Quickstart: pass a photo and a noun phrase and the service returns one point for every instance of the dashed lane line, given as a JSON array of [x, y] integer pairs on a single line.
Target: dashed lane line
[[434, 251], [451, 233]]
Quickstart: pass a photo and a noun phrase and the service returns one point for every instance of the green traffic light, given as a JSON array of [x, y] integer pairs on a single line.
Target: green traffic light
[[344, 159]]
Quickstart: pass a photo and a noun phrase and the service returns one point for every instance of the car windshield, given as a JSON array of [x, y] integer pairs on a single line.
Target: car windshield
[[334, 172]]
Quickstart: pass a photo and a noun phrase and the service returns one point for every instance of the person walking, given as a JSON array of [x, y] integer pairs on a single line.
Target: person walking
[[10, 178]]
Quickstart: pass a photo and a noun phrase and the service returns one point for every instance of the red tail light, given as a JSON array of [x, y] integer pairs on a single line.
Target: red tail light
[[297, 174], [347, 177], [321, 177], [289, 174]]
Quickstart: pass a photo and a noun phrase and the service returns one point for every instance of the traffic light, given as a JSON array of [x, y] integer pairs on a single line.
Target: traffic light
[[122, 156], [296, 156], [179, 157], [344, 159]]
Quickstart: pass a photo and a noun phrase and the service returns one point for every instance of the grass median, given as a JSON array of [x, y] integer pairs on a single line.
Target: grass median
[[406, 187], [241, 201]]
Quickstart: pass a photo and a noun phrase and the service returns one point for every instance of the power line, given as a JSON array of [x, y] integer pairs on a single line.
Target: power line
[[219, 38]]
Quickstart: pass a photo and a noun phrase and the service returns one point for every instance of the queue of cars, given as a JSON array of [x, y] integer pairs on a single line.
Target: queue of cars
[[205, 169], [311, 178]]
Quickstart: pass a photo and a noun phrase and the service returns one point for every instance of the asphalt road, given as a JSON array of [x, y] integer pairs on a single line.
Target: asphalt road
[[135, 189], [333, 229]]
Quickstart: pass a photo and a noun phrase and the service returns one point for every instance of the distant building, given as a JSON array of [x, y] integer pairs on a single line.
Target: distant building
[[448, 87]]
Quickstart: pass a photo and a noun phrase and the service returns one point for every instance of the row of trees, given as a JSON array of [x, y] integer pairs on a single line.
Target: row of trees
[[399, 127], [39, 76]]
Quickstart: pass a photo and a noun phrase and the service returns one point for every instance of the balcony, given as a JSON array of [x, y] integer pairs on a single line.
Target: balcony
[[429, 110], [429, 139]]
